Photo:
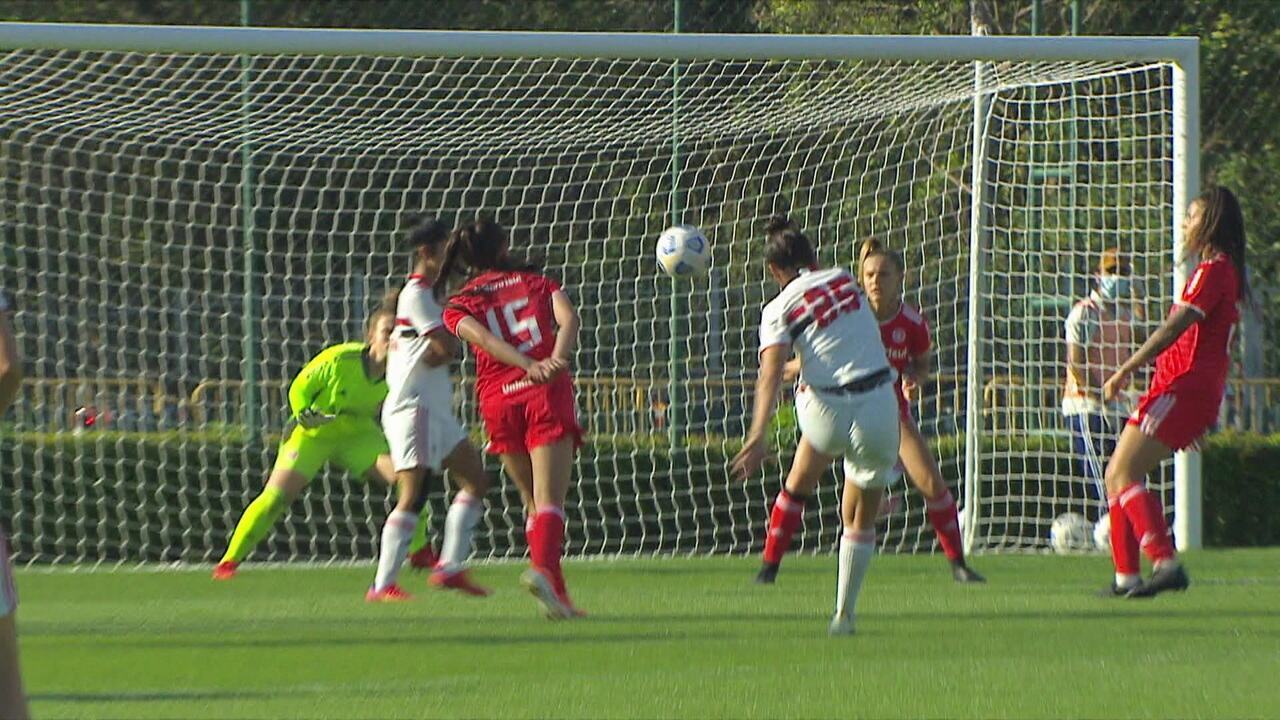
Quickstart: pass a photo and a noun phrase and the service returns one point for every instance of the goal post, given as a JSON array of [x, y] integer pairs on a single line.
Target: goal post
[[159, 181]]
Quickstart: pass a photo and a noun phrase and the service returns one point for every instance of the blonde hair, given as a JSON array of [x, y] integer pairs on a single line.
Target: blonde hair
[[872, 247]]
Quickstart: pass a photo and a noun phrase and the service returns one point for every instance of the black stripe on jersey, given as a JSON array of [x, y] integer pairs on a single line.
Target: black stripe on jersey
[[798, 327]]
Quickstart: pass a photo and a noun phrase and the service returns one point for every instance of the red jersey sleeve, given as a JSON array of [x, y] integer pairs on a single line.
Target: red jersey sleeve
[[458, 308], [1207, 287]]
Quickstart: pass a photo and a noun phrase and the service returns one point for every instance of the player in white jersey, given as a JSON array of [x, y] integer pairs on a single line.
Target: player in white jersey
[[422, 431], [13, 703], [845, 402]]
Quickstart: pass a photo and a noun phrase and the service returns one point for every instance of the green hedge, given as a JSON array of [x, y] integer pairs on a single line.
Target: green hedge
[[1242, 490], [174, 496]]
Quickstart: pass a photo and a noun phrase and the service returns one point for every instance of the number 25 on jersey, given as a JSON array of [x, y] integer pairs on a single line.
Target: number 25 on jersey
[[827, 302]]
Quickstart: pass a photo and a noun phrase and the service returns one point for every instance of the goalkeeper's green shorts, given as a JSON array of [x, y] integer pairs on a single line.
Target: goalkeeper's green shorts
[[352, 444]]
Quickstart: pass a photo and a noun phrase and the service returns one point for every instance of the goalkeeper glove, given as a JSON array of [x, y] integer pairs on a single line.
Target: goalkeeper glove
[[311, 419]]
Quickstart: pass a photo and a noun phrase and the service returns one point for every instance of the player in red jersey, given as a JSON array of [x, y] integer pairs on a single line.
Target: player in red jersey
[[907, 343], [526, 401], [905, 335], [13, 704], [1192, 354]]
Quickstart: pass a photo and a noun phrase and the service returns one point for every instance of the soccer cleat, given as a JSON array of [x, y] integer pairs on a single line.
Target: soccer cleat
[[456, 580], [841, 624], [965, 574], [225, 570], [423, 559], [1114, 591], [1162, 580], [390, 593], [768, 573], [542, 590]]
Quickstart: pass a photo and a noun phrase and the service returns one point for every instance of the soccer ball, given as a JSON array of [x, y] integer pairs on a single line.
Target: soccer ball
[[1071, 533], [1102, 533], [683, 251]]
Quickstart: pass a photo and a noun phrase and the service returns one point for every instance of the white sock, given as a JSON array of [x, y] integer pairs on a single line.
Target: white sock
[[856, 549], [397, 533], [1127, 582], [463, 515]]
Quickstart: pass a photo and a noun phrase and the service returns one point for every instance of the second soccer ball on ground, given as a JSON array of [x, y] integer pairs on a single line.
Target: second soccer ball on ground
[[1071, 533]]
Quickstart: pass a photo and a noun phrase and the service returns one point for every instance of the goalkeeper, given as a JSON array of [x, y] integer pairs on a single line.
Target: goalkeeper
[[335, 401]]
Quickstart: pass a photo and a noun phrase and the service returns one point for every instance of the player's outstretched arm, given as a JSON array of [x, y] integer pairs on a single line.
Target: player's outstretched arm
[[751, 457], [1167, 334]]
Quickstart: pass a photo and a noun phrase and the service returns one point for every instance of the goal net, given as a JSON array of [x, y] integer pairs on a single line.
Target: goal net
[[190, 215]]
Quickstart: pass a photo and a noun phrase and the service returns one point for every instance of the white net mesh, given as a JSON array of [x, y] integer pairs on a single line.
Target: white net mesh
[[155, 300]]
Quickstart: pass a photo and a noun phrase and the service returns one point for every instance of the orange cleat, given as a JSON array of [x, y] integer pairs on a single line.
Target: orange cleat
[[457, 580], [390, 593], [424, 559], [225, 570]]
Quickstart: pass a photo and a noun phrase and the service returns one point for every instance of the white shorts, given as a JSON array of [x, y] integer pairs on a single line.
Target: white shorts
[[8, 591], [862, 428], [421, 437]]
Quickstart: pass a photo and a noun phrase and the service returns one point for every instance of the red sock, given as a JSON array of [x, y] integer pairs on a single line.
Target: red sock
[[945, 520], [788, 511], [1146, 515], [1124, 544], [547, 544]]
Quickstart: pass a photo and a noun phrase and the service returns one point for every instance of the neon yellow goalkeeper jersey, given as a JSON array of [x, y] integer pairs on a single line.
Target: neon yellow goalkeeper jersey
[[335, 383]]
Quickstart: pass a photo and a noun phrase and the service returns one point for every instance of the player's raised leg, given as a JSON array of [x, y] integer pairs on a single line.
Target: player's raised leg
[[519, 467]]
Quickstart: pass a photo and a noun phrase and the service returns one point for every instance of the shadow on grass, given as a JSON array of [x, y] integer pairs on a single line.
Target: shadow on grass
[[171, 695], [415, 640]]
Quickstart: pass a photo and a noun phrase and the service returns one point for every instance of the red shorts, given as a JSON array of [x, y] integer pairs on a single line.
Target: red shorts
[[535, 417], [1178, 414]]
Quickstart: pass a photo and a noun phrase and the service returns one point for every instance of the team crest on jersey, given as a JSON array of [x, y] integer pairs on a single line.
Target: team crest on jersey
[[899, 335]]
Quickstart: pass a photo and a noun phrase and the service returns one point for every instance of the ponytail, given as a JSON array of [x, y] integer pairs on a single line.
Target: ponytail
[[475, 248], [448, 266]]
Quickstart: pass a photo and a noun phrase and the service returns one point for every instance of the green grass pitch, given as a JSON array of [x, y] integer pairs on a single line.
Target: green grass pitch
[[666, 637]]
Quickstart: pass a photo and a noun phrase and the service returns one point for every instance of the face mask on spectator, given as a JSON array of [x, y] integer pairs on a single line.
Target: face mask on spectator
[[1113, 286]]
